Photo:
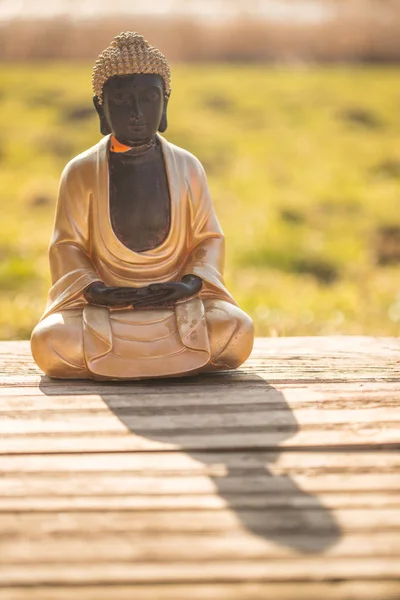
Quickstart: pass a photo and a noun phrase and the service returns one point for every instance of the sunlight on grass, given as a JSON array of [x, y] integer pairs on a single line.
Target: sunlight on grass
[[304, 169]]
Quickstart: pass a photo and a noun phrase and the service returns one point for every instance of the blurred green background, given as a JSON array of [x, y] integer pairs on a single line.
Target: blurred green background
[[304, 169]]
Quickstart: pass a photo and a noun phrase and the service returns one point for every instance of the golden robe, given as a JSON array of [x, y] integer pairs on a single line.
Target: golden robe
[[75, 339]]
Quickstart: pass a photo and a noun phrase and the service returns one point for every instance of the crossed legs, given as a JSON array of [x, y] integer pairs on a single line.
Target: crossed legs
[[57, 341]]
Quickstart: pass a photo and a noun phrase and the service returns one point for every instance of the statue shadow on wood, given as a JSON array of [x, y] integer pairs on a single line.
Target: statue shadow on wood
[[239, 455]]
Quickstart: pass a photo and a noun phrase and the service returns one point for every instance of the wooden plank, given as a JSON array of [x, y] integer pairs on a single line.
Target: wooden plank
[[104, 420], [320, 568], [205, 463], [309, 520], [85, 484], [363, 436], [291, 359], [191, 549], [338, 590], [286, 498], [253, 394]]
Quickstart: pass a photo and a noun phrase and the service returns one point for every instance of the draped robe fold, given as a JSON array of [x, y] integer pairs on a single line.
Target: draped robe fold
[[84, 249]]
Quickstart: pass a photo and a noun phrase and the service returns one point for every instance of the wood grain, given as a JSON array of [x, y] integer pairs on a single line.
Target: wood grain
[[132, 572], [350, 590], [279, 480], [163, 549]]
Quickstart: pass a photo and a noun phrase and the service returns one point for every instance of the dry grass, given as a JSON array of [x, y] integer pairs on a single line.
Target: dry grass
[[357, 31]]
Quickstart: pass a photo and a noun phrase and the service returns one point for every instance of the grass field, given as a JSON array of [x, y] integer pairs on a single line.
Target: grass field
[[304, 169]]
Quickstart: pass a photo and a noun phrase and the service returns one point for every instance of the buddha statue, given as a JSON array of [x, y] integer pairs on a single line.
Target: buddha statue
[[137, 252]]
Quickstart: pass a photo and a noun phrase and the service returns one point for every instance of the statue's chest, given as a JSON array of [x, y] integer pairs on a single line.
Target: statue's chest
[[139, 200]]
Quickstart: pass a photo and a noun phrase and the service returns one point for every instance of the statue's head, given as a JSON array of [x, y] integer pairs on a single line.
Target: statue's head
[[131, 85]]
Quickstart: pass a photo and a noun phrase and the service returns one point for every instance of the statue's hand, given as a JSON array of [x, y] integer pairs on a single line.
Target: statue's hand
[[99, 294], [166, 294], [155, 295]]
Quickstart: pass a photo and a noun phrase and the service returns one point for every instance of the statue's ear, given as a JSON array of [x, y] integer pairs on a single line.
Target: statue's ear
[[104, 126], [164, 123]]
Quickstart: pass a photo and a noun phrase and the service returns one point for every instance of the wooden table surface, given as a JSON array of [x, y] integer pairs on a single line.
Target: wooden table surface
[[278, 481]]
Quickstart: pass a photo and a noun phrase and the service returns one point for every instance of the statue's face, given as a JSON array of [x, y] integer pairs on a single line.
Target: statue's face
[[133, 106]]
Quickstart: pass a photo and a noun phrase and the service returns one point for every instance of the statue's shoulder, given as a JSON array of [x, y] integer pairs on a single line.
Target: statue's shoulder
[[85, 161], [184, 158]]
